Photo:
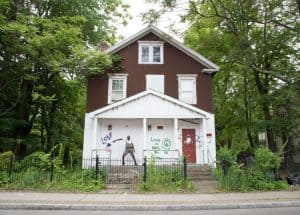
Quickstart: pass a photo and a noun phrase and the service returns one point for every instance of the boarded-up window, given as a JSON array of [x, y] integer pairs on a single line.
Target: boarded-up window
[[187, 88], [155, 82]]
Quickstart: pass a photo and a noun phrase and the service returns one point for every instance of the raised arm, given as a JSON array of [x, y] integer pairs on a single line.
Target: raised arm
[[117, 140]]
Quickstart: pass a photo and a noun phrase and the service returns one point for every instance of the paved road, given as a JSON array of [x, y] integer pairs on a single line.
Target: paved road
[[263, 211]]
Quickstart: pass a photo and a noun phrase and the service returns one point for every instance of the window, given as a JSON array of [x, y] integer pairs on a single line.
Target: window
[[155, 82], [150, 52], [117, 86], [187, 88]]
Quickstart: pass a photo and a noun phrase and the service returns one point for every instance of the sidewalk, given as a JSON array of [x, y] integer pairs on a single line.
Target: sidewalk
[[92, 201]]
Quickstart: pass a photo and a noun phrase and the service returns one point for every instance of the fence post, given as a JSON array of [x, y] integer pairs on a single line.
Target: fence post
[[51, 170], [184, 168], [145, 169], [10, 167], [97, 168]]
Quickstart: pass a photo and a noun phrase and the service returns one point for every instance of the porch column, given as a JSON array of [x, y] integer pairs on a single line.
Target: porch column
[[204, 153], [95, 129], [144, 135], [176, 142]]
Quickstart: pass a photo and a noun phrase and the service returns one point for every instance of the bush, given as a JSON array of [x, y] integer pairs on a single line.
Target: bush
[[260, 176], [5, 159], [4, 179], [266, 161], [40, 160]]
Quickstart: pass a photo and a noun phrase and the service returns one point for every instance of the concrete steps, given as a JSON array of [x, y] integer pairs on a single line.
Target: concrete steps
[[202, 178], [122, 175]]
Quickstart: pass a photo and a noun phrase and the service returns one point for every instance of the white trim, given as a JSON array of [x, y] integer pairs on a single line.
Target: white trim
[[95, 131], [196, 56], [142, 94], [176, 142], [205, 160], [144, 134], [152, 42], [119, 76], [193, 78], [187, 75], [209, 70], [150, 45], [138, 116], [157, 75]]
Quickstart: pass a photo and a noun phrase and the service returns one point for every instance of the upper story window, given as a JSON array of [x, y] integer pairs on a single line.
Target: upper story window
[[117, 87], [151, 52], [155, 82], [187, 88]]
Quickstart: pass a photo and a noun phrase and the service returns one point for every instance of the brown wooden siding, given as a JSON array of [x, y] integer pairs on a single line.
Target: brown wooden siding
[[175, 62]]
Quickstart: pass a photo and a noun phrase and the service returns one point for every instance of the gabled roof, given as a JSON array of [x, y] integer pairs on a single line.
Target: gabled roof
[[162, 97], [210, 66]]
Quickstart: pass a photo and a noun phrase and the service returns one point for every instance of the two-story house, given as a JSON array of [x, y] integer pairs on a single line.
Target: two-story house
[[162, 99]]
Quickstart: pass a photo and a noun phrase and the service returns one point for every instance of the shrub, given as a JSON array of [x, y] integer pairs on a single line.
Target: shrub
[[5, 159], [257, 177], [40, 160], [266, 161]]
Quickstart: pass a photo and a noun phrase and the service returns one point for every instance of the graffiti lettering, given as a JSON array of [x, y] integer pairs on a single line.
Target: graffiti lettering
[[159, 145], [106, 140]]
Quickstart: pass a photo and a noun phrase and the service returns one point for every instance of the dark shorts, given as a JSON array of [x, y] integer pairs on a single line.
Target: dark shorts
[[128, 151]]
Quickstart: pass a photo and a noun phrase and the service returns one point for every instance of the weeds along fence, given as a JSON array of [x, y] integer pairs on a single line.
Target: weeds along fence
[[90, 174]]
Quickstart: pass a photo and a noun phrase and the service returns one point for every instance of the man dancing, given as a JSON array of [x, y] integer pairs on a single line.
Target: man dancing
[[129, 149]]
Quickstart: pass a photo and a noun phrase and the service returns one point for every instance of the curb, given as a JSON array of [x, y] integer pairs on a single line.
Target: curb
[[148, 207]]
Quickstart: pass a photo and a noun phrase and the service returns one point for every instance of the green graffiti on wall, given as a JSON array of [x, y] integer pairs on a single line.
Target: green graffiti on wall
[[159, 145]]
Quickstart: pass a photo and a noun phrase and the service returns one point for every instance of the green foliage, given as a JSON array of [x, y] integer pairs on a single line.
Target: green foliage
[[255, 43], [39, 160], [259, 176], [4, 179], [48, 50], [225, 154], [34, 173], [266, 161], [5, 159], [165, 179]]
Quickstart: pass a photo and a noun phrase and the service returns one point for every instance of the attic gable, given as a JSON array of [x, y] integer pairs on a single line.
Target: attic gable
[[210, 67]]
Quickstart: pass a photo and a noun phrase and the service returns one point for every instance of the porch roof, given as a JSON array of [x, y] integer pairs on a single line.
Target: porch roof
[[149, 104]]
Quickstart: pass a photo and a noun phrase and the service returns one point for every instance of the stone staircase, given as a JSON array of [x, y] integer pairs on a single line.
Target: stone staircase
[[202, 178], [122, 176]]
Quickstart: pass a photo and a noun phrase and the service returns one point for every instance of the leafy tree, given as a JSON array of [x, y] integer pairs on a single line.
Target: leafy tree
[[255, 43], [45, 54]]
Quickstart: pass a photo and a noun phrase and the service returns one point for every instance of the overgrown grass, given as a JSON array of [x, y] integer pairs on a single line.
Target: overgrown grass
[[34, 173], [165, 179], [66, 180]]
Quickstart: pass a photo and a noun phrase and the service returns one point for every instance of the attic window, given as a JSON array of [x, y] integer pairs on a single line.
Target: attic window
[[151, 52]]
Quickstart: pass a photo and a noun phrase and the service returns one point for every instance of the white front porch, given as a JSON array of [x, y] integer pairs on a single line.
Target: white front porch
[[155, 123]]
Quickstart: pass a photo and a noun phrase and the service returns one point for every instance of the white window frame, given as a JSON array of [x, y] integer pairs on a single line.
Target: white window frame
[[151, 44], [157, 75], [192, 77], [120, 76]]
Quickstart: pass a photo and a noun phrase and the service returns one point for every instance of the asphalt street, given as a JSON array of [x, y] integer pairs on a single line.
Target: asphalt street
[[255, 211]]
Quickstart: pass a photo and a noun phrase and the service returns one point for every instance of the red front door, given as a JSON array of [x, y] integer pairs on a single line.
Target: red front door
[[189, 145]]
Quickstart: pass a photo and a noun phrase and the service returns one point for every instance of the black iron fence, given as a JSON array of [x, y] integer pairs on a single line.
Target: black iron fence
[[89, 172]]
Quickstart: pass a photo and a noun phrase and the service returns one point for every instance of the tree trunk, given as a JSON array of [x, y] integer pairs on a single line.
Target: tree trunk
[[247, 109], [23, 109], [263, 91]]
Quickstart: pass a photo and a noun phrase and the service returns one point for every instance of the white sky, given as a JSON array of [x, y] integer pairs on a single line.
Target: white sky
[[135, 24]]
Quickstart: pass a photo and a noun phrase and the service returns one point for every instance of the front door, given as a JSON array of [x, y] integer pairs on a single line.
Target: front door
[[189, 145]]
